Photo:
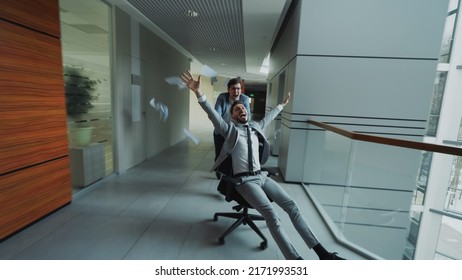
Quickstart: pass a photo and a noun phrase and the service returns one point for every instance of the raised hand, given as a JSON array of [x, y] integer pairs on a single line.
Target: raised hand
[[284, 103], [189, 81]]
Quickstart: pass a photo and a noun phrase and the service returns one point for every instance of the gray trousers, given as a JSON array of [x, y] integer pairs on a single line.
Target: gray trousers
[[256, 190]]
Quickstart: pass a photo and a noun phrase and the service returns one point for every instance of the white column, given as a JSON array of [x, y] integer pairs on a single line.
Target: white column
[[448, 128]]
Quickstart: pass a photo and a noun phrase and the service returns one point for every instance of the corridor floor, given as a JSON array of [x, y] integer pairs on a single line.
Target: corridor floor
[[161, 209]]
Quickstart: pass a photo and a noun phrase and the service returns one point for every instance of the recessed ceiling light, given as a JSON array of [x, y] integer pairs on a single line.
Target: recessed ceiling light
[[191, 13], [213, 49]]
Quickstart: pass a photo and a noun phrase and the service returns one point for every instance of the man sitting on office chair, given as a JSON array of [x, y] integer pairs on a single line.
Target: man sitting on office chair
[[255, 186]]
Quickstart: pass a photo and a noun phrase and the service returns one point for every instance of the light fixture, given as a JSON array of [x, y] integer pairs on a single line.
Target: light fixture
[[265, 65], [191, 13]]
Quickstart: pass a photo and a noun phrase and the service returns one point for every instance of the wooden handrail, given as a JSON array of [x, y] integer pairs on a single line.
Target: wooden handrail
[[390, 141]]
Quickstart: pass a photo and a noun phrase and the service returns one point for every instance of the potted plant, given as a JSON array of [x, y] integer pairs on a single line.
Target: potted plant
[[80, 92]]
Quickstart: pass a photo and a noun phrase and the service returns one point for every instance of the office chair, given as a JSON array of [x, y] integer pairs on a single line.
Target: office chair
[[226, 187]]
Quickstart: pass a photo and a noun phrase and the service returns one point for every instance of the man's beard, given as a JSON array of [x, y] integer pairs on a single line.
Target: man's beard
[[242, 121]]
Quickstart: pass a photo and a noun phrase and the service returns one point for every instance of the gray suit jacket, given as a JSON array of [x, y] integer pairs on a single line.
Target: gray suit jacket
[[230, 132]]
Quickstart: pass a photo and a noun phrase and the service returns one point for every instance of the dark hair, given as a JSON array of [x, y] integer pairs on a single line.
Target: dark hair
[[237, 102], [234, 81]]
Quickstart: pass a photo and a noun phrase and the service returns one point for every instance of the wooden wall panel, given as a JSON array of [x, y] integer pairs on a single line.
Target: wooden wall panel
[[41, 15], [34, 156], [30, 194], [32, 103]]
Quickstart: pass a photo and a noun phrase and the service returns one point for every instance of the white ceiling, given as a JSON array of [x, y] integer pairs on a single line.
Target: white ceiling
[[230, 36]]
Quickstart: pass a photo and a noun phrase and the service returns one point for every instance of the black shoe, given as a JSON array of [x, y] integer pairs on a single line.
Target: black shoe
[[332, 256]]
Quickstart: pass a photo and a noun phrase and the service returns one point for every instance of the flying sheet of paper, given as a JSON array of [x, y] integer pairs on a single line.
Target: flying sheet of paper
[[163, 112], [277, 133], [153, 104], [207, 71], [175, 80], [162, 108], [191, 137]]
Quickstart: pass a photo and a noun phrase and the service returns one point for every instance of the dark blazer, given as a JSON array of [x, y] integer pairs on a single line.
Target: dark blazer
[[230, 132]]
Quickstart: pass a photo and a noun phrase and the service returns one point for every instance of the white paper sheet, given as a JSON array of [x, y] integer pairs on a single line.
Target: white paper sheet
[[161, 108], [174, 80], [191, 136], [209, 72]]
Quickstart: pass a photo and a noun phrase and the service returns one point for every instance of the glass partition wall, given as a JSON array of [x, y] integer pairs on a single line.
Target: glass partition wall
[[371, 197], [450, 235], [86, 47]]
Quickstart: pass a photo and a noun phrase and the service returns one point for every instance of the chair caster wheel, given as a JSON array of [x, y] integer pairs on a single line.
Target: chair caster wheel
[[221, 241], [263, 245]]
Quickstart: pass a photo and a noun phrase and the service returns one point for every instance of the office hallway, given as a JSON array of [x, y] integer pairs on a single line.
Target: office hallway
[[161, 209]]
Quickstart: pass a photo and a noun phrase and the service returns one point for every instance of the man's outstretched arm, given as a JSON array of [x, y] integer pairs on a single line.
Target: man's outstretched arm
[[271, 115], [194, 85]]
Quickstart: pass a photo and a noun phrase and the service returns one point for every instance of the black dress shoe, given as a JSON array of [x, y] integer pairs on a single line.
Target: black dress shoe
[[333, 256]]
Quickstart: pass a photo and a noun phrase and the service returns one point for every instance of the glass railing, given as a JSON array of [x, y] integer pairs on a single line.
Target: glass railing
[[369, 189], [449, 236]]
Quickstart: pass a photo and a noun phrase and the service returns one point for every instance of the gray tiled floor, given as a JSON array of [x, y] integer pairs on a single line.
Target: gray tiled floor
[[161, 209]]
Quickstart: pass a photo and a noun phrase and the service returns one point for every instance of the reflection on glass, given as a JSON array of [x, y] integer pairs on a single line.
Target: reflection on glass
[[409, 250], [454, 192], [448, 37], [450, 239], [438, 93], [432, 125], [422, 179], [86, 50]]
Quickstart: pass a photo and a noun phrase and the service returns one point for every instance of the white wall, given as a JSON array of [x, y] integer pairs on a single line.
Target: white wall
[[379, 53], [140, 139], [378, 28], [365, 66], [199, 123]]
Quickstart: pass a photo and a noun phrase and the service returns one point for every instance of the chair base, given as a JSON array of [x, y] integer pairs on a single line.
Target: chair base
[[242, 218]]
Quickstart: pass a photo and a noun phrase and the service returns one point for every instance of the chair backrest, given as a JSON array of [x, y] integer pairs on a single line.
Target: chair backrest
[[226, 185]]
